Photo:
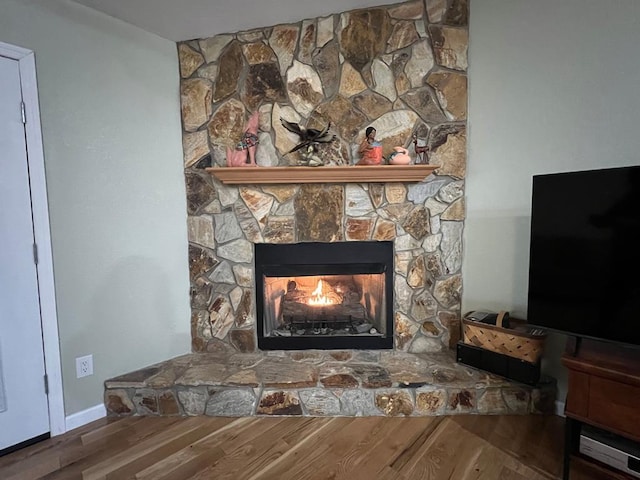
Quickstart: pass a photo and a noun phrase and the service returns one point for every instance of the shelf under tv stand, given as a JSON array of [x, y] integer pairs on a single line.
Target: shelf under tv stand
[[604, 392]]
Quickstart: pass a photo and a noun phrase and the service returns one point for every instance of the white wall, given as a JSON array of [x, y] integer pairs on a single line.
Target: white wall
[[553, 87], [109, 99]]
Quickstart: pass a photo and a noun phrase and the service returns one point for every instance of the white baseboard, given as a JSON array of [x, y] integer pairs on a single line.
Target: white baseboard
[[79, 419], [559, 408]]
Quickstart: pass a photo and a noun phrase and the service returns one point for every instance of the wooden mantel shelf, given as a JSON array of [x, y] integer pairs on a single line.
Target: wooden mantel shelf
[[343, 174]]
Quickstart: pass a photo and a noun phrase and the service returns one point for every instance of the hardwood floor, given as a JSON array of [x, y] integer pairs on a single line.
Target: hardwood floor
[[175, 448]]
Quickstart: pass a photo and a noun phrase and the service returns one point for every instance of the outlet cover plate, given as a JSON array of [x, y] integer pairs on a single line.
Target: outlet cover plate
[[84, 366]]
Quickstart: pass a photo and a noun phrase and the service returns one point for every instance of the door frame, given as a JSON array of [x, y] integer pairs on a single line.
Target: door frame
[[40, 211]]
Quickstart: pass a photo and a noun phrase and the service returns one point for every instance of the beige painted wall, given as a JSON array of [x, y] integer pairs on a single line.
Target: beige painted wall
[[111, 128], [553, 87]]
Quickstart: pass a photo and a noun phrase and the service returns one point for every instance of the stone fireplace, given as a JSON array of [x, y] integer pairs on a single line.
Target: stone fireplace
[[398, 68], [324, 295]]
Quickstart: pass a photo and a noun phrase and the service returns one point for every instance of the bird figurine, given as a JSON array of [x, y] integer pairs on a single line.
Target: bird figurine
[[309, 140]]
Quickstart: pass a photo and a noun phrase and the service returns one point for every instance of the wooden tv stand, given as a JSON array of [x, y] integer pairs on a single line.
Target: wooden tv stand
[[604, 392]]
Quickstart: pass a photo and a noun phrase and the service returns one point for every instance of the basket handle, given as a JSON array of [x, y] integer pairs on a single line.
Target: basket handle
[[500, 318]]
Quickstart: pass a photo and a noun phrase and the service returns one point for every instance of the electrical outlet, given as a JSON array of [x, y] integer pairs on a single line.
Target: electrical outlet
[[84, 366]]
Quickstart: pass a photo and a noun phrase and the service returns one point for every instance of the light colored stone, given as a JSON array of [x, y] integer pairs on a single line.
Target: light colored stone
[[351, 82], [222, 274], [451, 89], [395, 192], [417, 273], [423, 344], [243, 275], [402, 293], [435, 224], [423, 306], [450, 46], [451, 192], [250, 36], [286, 209], [190, 60], [461, 401], [209, 72], [231, 403], [358, 203], [452, 245], [408, 10], [420, 63], [283, 40], [402, 260], [405, 330], [195, 146], [304, 87], [235, 296], [432, 242], [226, 227], [435, 10], [383, 81], [451, 156], [435, 207], [325, 31], [227, 195], [455, 211], [146, 402], [285, 140], [258, 203], [406, 242], [247, 222], [358, 403], [419, 192], [240, 251], [264, 117], [404, 34], [266, 155], [195, 98], [384, 230], [279, 230], [201, 231], [448, 291], [213, 46], [320, 402], [193, 400], [283, 193]]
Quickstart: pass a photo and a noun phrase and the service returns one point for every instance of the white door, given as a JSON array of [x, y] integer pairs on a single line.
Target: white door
[[23, 399]]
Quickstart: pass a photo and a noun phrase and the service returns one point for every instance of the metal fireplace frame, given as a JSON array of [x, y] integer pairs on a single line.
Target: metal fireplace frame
[[336, 258]]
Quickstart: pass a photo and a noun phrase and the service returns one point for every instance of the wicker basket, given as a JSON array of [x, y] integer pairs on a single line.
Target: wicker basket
[[518, 342]]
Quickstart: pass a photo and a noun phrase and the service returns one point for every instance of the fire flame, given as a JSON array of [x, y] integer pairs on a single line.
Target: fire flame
[[318, 298]]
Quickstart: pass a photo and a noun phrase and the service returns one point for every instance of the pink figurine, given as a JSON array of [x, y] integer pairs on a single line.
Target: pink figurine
[[400, 156], [244, 155]]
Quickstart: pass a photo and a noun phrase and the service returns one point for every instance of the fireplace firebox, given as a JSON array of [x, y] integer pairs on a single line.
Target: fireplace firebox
[[324, 295]]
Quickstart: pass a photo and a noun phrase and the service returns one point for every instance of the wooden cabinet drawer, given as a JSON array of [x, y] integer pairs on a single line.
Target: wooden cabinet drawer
[[578, 394], [615, 404]]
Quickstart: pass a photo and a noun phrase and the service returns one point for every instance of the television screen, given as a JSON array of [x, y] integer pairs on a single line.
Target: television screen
[[584, 258]]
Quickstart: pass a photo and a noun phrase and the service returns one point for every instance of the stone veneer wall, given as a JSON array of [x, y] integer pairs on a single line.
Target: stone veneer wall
[[400, 69]]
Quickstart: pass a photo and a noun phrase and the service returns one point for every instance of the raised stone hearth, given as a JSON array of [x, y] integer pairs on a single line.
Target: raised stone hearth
[[320, 383]]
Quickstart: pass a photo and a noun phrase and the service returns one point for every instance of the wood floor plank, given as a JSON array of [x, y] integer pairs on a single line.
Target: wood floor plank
[[300, 448]]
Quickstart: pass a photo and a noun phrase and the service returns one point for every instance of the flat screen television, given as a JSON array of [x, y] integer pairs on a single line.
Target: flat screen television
[[584, 258]]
